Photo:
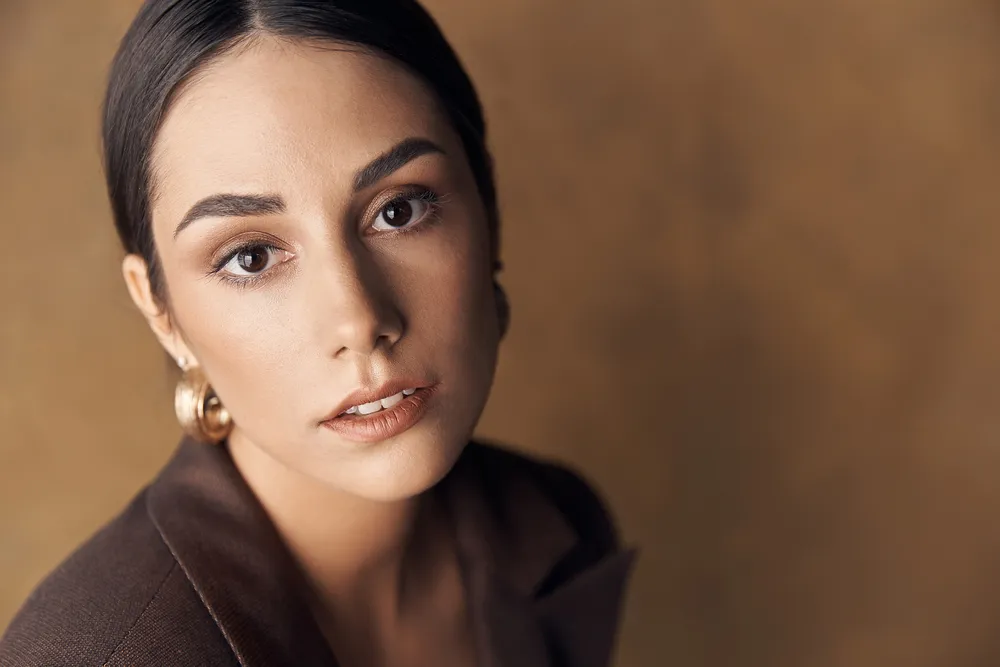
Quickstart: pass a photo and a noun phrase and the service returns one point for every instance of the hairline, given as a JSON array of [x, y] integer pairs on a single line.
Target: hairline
[[236, 46]]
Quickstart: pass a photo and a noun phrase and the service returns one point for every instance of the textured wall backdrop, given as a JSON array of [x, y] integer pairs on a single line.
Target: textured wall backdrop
[[752, 248]]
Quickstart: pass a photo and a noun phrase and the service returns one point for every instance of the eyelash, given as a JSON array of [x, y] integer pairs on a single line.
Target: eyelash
[[428, 197], [243, 282], [432, 216]]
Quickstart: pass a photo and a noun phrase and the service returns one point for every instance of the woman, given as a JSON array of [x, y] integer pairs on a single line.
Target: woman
[[305, 197]]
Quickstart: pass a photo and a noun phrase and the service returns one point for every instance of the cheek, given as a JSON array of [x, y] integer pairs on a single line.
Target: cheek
[[447, 295], [247, 342], [461, 317]]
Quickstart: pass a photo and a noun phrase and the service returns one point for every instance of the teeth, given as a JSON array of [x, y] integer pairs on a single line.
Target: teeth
[[392, 400], [381, 404]]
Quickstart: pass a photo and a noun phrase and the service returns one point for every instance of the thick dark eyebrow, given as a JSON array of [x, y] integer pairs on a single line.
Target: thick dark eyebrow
[[233, 205], [393, 159], [230, 205]]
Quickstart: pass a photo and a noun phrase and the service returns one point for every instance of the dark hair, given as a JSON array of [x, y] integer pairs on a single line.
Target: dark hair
[[169, 40]]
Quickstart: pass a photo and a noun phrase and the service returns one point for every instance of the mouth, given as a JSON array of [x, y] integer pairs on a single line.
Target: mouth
[[380, 418], [379, 404]]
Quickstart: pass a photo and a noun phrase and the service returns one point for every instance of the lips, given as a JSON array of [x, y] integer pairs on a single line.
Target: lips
[[368, 398], [383, 422]]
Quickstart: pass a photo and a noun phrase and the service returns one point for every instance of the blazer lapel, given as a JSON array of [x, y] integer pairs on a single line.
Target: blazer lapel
[[581, 617], [573, 626], [232, 555], [511, 538]]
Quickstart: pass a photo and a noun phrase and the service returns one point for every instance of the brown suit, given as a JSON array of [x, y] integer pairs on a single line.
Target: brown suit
[[194, 573]]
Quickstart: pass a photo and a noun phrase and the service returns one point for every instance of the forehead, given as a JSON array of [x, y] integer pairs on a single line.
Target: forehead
[[285, 116]]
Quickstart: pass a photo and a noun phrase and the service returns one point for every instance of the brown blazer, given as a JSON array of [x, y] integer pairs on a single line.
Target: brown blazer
[[193, 572]]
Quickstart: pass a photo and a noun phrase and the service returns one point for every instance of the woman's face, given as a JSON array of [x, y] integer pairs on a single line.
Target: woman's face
[[321, 234]]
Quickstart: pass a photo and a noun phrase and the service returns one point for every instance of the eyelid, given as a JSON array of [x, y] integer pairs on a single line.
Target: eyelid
[[273, 251], [246, 279], [374, 208], [248, 240], [249, 280]]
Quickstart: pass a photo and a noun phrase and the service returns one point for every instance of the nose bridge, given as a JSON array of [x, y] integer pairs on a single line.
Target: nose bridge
[[359, 313]]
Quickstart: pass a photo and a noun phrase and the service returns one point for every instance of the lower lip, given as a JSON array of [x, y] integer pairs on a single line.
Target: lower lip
[[385, 423]]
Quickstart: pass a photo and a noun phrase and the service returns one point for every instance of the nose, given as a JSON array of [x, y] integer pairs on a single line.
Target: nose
[[362, 316]]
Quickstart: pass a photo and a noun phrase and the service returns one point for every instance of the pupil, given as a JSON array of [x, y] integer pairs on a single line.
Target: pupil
[[253, 260], [398, 213]]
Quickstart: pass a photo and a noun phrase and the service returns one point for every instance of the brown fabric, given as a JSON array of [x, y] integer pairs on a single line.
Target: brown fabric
[[193, 573]]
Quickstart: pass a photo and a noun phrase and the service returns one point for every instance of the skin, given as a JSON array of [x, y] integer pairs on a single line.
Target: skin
[[346, 303]]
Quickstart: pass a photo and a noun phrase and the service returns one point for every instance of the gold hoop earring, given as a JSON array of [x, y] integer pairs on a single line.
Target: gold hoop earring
[[199, 410]]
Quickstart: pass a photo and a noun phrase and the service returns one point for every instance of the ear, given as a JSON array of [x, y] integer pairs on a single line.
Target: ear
[[500, 298], [503, 308], [136, 274]]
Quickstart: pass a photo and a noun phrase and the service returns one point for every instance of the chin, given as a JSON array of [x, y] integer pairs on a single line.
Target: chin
[[402, 467]]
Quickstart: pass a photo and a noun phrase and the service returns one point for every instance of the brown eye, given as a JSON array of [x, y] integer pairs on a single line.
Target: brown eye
[[397, 213], [253, 259], [403, 212]]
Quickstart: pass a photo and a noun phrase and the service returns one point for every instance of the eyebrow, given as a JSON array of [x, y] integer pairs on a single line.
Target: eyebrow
[[231, 206], [394, 159], [243, 205]]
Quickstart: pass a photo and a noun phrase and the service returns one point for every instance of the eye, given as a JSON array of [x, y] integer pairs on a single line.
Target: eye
[[404, 212], [253, 259]]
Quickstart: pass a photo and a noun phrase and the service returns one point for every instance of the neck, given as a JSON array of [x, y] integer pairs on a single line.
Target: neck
[[352, 549]]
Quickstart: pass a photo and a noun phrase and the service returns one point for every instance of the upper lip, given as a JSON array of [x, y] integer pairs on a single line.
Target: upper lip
[[366, 395]]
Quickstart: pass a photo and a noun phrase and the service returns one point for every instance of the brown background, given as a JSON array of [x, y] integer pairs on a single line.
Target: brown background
[[752, 248]]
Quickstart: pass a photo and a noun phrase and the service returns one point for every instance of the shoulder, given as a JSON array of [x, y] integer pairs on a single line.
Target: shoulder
[[84, 610], [570, 492]]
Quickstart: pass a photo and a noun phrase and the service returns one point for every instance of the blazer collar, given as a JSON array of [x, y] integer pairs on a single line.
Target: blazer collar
[[510, 540], [235, 559]]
